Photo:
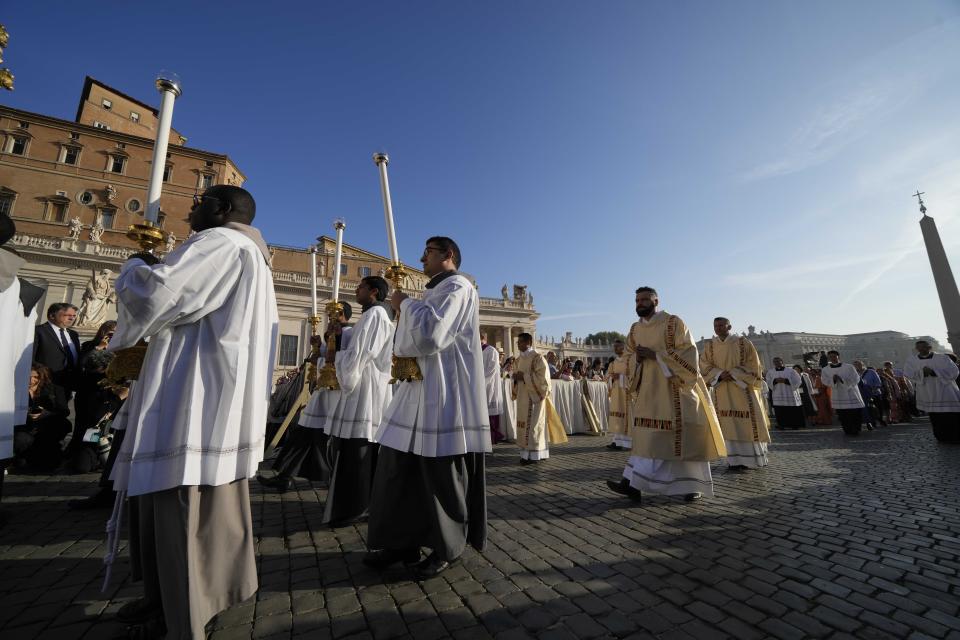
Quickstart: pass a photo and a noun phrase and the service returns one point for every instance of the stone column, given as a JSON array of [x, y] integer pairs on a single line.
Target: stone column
[[943, 277], [507, 341]]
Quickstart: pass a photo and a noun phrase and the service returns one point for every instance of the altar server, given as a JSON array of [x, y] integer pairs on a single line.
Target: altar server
[[18, 308], [844, 381], [494, 386], [430, 487], [935, 377], [785, 383], [305, 452], [363, 374], [197, 413], [674, 426], [731, 366]]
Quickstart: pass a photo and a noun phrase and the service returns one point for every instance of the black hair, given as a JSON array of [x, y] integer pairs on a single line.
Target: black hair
[[525, 336], [347, 310], [833, 351], [647, 290], [379, 285], [727, 320], [447, 244], [57, 307], [243, 206]]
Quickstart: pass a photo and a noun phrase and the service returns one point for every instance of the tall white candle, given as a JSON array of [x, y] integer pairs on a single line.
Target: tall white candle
[[313, 280], [339, 225], [382, 161], [169, 86]]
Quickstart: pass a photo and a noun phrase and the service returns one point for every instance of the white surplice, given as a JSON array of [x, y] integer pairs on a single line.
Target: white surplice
[[846, 394], [16, 352], [935, 394], [785, 395], [491, 376], [198, 411], [445, 414], [363, 372], [319, 410]]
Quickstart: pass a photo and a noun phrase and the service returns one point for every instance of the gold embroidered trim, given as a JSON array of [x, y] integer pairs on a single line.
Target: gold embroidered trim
[[734, 413], [650, 423]]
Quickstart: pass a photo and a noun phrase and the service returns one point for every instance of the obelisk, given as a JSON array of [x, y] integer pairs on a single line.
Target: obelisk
[[942, 276]]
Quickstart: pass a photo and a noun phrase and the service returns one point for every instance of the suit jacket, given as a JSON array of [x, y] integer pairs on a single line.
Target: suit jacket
[[49, 351]]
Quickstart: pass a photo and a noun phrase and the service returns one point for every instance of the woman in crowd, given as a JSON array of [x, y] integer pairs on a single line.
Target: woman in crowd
[[37, 443]]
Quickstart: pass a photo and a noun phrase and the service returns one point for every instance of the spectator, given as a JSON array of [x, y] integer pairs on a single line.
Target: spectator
[[38, 441]]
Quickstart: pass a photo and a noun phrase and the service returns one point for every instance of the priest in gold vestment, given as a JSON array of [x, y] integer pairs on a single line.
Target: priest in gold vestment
[[619, 400], [531, 390], [731, 366], [674, 426]]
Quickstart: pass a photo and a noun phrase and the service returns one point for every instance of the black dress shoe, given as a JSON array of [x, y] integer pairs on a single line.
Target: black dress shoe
[[613, 446], [432, 566], [623, 488], [693, 497], [383, 558], [278, 482], [525, 461]]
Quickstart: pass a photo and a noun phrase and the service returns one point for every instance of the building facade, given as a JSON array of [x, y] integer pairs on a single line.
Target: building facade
[[73, 187], [873, 348]]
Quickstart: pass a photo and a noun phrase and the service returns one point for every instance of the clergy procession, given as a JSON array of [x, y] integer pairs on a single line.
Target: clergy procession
[[401, 449]]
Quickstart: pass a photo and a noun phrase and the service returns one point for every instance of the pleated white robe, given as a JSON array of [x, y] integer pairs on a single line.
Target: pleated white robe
[[16, 352]]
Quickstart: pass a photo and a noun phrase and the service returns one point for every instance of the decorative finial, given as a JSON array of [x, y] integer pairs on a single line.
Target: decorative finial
[[923, 208]]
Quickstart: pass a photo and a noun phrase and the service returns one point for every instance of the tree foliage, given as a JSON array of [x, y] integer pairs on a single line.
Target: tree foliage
[[605, 336]]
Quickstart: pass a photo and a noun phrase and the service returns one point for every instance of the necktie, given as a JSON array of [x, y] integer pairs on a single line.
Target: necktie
[[66, 347]]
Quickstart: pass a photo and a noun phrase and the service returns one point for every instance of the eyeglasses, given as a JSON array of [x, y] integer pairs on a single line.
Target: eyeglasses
[[197, 199], [427, 250]]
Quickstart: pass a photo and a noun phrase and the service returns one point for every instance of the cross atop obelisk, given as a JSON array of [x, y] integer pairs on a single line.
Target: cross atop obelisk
[[942, 276], [923, 208]]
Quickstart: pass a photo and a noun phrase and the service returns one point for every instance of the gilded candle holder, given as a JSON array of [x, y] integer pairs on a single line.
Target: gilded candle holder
[[404, 369], [127, 363], [327, 375]]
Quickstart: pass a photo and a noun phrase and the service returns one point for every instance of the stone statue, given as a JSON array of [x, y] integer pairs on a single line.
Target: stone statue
[[382, 272], [75, 227], [96, 231], [191, 234], [530, 299], [111, 193], [273, 253], [170, 242], [323, 267], [752, 330], [520, 293], [504, 293], [98, 294]]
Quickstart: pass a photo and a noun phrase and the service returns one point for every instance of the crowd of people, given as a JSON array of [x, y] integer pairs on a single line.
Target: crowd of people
[[397, 422]]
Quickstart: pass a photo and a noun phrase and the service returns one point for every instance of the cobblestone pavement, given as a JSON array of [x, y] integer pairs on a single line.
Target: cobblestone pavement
[[838, 538]]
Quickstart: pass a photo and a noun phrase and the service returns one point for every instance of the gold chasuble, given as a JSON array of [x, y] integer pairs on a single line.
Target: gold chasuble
[[534, 408], [672, 417], [617, 382], [738, 402]]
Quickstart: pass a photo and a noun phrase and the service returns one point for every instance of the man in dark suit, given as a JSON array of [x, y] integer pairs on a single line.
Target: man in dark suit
[[57, 346]]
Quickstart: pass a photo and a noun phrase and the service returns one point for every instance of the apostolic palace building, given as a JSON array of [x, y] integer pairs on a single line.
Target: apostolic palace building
[[74, 186]]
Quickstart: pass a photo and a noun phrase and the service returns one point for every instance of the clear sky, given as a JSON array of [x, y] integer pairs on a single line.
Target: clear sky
[[749, 159]]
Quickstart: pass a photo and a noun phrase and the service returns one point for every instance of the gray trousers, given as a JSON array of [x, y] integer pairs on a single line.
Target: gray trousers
[[193, 549]]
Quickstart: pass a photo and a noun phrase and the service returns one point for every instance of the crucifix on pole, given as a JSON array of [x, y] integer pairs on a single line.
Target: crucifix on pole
[[923, 208]]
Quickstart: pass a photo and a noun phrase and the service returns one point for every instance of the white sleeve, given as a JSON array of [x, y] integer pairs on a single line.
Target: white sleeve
[[369, 336], [944, 367], [430, 326], [913, 369], [850, 375], [491, 363], [794, 378], [195, 280]]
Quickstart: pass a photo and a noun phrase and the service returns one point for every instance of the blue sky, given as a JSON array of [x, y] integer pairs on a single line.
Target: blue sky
[[749, 159]]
